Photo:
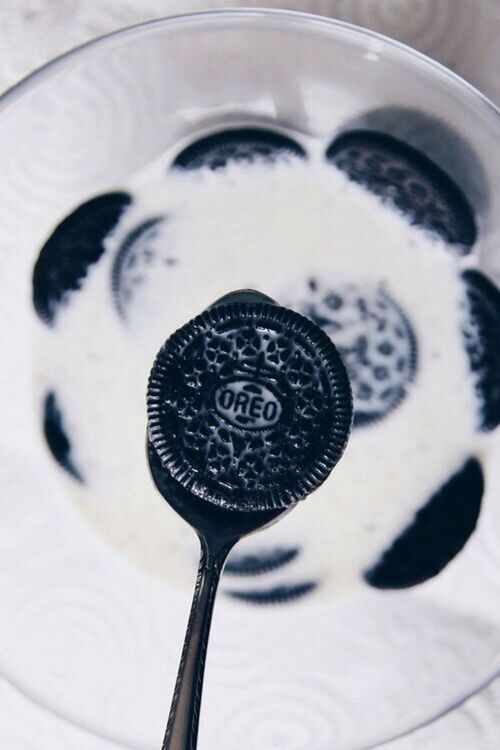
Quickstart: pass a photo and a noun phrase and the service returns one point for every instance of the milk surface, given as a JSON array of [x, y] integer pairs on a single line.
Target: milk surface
[[285, 230]]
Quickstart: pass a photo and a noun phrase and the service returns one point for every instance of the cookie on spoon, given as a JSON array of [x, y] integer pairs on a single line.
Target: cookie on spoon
[[249, 410]]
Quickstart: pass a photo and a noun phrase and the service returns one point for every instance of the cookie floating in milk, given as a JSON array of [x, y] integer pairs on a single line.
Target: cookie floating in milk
[[240, 145]]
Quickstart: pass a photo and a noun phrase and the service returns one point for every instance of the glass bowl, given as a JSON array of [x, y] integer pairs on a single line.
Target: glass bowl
[[85, 633]]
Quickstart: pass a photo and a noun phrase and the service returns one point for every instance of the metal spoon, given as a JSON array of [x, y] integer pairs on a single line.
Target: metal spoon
[[249, 409]]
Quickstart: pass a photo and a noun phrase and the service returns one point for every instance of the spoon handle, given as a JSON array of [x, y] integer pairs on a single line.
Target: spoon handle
[[183, 720]]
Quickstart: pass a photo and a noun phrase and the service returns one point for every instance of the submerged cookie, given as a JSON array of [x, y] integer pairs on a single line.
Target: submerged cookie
[[374, 337], [76, 243], [56, 436], [407, 179], [257, 563], [276, 595], [438, 532], [217, 150], [482, 342], [132, 262]]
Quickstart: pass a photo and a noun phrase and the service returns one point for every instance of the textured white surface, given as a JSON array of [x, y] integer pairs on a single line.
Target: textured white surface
[[459, 33]]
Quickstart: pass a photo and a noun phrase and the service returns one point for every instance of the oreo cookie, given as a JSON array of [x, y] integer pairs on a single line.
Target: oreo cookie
[[276, 595], [482, 342], [249, 406], [438, 532], [407, 179], [440, 140], [76, 244], [132, 262], [260, 562], [374, 337], [248, 145], [56, 436]]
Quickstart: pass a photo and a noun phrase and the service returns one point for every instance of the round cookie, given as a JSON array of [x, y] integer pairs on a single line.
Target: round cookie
[[374, 337], [408, 180], [75, 244], [482, 342], [249, 406], [248, 145]]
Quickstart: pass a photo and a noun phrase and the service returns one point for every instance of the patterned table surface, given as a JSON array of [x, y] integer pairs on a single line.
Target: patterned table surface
[[460, 33]]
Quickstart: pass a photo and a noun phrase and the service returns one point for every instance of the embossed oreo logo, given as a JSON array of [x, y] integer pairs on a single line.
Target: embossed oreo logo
[[244, 403]]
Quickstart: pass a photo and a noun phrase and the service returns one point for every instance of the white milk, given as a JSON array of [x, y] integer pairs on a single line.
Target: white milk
[[268, 228]]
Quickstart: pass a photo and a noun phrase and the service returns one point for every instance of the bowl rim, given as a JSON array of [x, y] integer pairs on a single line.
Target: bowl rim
[[53, 66]]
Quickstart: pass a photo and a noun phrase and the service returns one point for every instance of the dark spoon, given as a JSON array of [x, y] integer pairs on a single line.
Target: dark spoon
[[249, 410]]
